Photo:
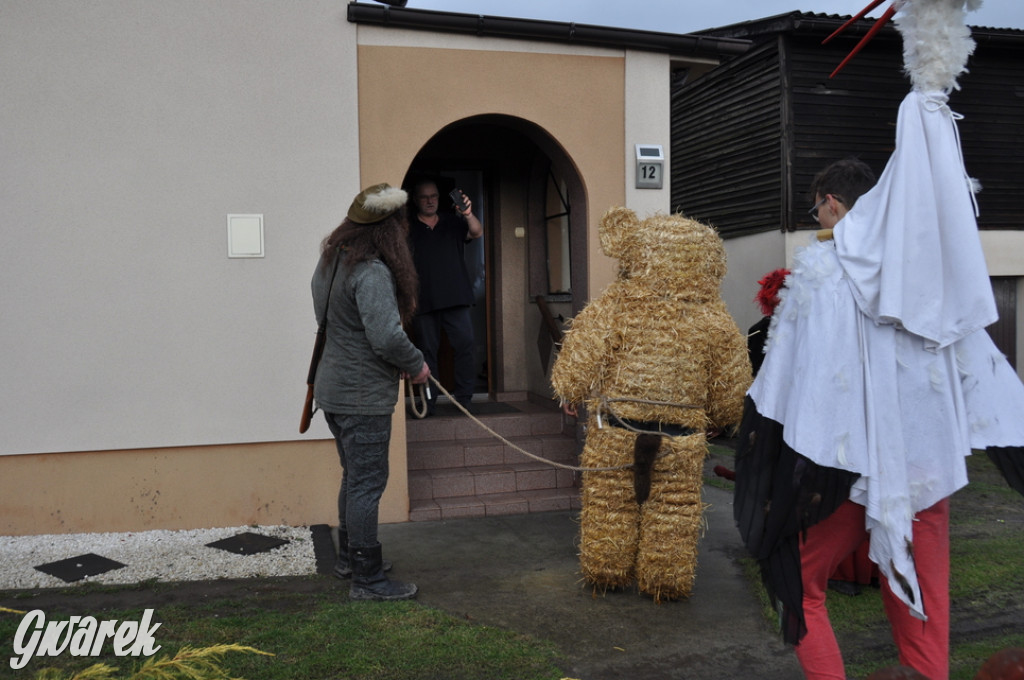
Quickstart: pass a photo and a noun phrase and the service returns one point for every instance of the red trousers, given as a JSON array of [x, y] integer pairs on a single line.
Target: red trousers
[[923, 645], [857, 568]]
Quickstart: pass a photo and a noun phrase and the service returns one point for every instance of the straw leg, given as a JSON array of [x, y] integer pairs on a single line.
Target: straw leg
[[672, 521], [610, 518]]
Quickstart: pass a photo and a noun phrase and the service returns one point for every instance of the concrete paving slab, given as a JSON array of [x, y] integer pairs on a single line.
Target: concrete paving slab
[[521, 573]]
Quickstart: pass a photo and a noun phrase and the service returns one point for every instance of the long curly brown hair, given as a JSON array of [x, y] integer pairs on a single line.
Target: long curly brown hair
[[387, 241]]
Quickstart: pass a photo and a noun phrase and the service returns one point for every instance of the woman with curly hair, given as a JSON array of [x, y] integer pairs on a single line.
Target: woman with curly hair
[[364, 288]]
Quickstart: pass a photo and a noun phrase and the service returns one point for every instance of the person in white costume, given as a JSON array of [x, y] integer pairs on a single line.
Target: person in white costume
[[867, 431]]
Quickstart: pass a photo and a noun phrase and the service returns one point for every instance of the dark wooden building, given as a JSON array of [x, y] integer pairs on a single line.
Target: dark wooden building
[[748, 137]]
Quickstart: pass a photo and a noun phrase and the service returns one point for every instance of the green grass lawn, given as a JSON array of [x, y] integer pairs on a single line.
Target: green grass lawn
[[324, 638], [314, 636]]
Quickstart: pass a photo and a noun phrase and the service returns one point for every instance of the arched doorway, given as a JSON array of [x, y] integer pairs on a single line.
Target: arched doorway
[[531, 200]]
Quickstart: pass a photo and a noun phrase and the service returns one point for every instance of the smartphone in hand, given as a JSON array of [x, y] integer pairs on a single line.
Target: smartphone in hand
[[458, 198]]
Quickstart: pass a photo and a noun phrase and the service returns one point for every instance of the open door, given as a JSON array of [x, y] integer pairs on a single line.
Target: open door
[[471, 182], [531, 201]]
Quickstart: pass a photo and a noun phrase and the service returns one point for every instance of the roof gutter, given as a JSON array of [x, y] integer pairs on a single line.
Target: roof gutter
[[550, 31]]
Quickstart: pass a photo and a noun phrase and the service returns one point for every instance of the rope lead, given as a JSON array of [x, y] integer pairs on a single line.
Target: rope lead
[[526, 453]]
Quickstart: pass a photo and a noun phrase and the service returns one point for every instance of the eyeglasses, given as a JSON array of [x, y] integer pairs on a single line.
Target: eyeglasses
[[814, 210]]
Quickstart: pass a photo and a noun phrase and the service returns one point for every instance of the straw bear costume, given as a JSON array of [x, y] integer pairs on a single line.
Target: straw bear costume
[[657, 360]]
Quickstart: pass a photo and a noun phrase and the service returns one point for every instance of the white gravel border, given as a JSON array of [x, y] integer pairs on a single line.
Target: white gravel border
[[155, 555]]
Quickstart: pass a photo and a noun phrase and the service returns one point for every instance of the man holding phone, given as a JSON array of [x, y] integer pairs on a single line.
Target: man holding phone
[[438, 241]]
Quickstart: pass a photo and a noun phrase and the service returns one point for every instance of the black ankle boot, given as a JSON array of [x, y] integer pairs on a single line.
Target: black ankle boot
[[369, 581], [342, 566]]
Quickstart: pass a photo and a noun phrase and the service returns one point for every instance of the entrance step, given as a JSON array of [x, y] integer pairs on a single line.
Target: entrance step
[[459, 469]]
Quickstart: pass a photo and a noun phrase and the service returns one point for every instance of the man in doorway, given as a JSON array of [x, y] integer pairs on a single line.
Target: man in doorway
[[438, 241]]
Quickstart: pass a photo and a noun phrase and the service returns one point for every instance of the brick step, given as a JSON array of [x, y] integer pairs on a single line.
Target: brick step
[[487, 479], [459, 469], [432, 455], [527, 420], [490, 505]]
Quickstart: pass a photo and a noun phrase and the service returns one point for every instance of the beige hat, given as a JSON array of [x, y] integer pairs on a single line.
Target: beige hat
[[375, 203]]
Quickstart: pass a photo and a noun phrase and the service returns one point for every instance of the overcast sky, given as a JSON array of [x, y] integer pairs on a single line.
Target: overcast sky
[[685, 16]]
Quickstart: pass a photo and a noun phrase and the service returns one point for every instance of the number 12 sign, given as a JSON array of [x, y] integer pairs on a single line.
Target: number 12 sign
[[650, 166]]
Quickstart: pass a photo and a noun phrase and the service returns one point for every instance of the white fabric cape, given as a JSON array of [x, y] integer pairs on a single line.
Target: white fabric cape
[[877, 361], [910, 245]]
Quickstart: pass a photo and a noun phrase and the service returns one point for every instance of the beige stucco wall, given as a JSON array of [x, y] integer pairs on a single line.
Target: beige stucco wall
[[132, 128], [749, 258], [408, 93], [175, 488], [648, 105], [143, 370], [162, 387]]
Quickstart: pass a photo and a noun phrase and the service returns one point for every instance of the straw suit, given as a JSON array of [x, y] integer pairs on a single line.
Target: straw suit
[[658, 361]]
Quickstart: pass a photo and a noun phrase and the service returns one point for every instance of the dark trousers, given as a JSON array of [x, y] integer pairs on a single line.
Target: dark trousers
[[458, 326], [362, 443]]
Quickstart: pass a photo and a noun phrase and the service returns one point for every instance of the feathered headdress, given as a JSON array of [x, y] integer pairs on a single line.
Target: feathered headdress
[[936, 41], [768, 296], [376, 203]]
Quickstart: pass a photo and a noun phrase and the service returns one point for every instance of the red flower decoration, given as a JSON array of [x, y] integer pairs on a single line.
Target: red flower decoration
[[768, 296]]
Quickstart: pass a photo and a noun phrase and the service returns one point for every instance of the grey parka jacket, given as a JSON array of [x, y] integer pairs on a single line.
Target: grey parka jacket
[[366, 349]]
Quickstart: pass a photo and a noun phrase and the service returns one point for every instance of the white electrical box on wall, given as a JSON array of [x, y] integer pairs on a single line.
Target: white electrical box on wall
[[245, 235], [650, 166]]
